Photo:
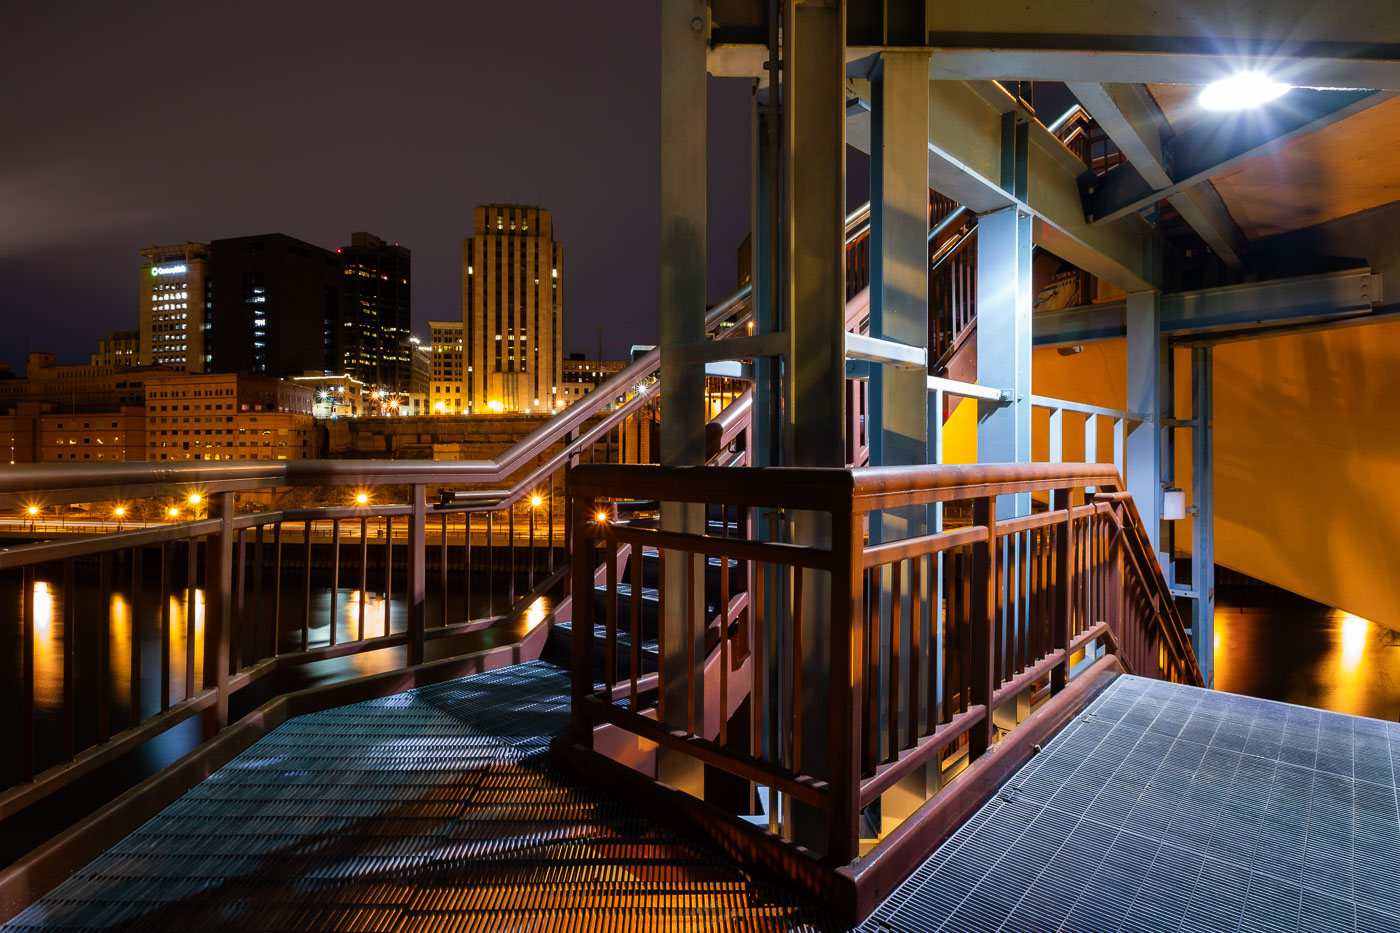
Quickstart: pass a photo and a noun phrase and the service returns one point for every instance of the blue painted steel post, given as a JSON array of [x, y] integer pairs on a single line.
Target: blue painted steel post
[[1004, 318], [899, 312], [1203, 498], [1146, 351]]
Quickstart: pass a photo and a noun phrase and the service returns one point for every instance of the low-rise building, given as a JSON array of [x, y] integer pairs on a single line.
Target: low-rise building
[[582, 376], [228, 417], [445, 387]]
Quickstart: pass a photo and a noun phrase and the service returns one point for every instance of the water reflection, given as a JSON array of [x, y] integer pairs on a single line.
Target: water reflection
[[183, 675], [1291, 649]]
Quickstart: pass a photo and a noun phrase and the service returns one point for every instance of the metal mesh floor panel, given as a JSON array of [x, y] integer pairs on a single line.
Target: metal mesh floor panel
[[430, 810], [1169, 808]]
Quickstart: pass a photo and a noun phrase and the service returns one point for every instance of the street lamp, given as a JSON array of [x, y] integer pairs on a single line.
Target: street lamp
[[173, 512], [362, 499], [119, 512]]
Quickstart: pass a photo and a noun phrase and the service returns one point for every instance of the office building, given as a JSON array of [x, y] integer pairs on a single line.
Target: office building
[[232, 416], [446, 384], [118, 348], [82, 388], [581, 376], [512, 310], [372, 336], [174, 307], [276, 306]]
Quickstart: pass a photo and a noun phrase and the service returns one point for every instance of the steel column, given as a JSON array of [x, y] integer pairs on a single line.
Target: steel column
[[1203, 498], [1004, 317], [814, 214], [681, 321], [898, 431], [1146, 351]]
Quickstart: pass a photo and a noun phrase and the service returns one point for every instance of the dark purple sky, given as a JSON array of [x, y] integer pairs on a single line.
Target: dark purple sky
[[132, 125]]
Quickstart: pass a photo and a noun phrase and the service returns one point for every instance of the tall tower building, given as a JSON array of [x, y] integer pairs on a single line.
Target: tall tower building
[[512, 310], [175, 306], [276, 306], [372, 337]]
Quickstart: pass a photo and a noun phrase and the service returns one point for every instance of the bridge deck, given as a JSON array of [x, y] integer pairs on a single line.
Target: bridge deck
[[1160, 808], [1165, 808], [429, 810]]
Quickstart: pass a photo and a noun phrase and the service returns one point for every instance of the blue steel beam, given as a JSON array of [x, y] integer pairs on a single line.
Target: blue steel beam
[[1303, 301]]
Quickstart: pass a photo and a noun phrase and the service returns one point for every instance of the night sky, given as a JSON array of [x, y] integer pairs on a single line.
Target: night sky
[[128, 125]]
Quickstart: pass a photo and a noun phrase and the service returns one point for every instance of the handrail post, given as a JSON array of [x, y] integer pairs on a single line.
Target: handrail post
[[218, 612], [847, 686], [984, 580], [1064, 592], [417, 587]]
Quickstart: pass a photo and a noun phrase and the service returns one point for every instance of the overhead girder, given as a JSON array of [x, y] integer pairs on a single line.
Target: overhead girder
[[965, 162], [1209, 148], [1132, 119]]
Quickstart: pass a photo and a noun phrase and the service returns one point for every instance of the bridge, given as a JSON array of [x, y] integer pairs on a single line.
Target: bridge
[[885, 639]]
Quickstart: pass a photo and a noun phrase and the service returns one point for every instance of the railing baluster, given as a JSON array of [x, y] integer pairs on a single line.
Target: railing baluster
[[275, 636], [256, 633], [442, 572], [104, 643], [335, 579], [871, 753], [388, 573], [549, 515], [510, 580], [610, 618], [137, 607], [892, 691], [690, 659], [636, 556], [27, 724], [306, 608], [167, 558], [984, 670], [797, 704], [467, 566], [70, 645], [490, 567], [660, 631], [191, 612], [364, 573], [723, 650], [239, 621], [916, 650]]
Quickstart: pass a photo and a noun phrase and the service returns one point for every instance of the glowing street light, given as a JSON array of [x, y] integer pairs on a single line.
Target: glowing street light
[[362, 499], [119, 511], [195, 498], [602, 517], [1242, 91], [173, 512], [536, 501], [33, 510]]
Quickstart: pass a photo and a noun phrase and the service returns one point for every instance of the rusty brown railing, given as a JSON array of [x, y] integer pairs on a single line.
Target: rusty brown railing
[[916, 655]]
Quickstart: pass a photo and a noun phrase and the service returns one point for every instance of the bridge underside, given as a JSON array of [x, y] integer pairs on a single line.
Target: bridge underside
[[1161, 807]]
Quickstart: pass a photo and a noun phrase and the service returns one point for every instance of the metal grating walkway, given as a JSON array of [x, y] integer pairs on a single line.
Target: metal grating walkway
[[429, 810], [1168, 808]]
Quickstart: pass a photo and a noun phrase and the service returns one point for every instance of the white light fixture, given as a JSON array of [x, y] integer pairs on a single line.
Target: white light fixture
[[1173, 504], [1242, 91]]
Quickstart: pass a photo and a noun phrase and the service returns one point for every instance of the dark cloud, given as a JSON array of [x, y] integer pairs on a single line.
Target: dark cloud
[[131, 126]]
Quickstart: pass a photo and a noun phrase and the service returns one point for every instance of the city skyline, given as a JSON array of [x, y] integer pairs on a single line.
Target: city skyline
[[184, 143]]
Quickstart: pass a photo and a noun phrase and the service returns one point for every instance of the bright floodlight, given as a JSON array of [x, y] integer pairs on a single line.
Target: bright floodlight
[[535, 501], [33, 510], [362, 498], [1242, 91], [174, 511], [602, 518], [194, 498], [119, 511]]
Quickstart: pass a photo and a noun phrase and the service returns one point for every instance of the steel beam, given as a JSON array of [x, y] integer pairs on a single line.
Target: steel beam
[[1229, 311], [1131, 118], [1354, 44], [965, 161], [1211, 147]]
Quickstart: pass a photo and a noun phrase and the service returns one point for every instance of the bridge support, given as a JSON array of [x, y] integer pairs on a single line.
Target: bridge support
[[1146, 364], [1004, 316], [898, 425], [681, 319]]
